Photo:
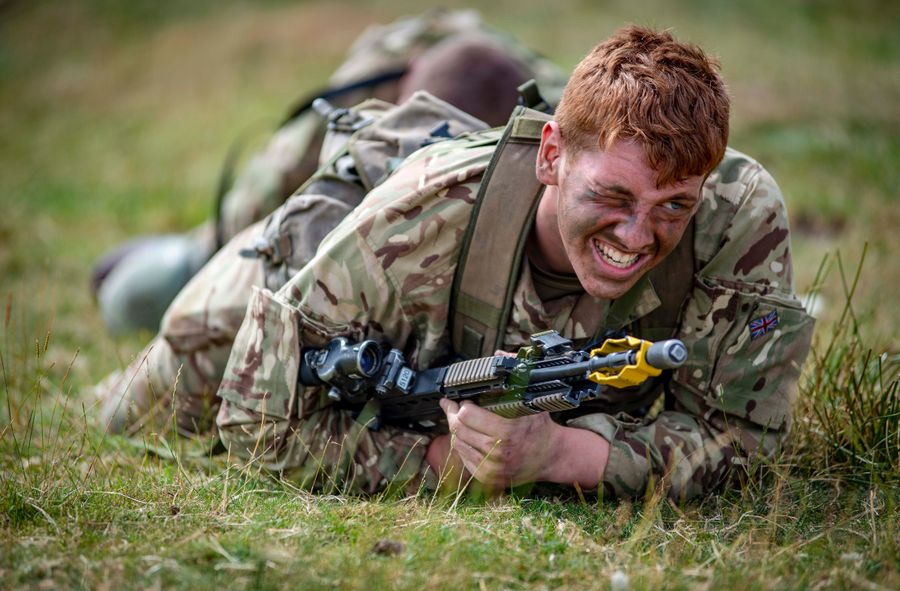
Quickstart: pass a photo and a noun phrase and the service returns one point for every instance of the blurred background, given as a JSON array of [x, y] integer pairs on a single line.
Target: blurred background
[[115, 118]]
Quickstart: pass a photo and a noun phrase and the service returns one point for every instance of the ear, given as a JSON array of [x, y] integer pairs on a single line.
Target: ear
[[549, 158]]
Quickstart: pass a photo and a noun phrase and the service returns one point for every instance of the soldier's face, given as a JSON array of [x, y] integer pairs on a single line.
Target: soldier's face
[[614, 224]]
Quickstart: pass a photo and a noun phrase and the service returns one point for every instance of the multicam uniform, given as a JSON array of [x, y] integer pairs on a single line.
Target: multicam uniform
[[182, 367], [386, 273]]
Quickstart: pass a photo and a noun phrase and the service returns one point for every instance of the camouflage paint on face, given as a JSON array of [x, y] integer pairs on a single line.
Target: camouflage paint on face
[[614, 224]]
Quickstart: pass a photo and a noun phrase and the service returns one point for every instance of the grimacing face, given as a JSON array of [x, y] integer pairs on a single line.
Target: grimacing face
[[612, 223]]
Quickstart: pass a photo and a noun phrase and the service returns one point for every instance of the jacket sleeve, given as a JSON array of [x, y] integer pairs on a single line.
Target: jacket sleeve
[[384, 274], [747, 337]]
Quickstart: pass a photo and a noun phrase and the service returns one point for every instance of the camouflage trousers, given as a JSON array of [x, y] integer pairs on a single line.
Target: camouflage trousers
[[172, 384]]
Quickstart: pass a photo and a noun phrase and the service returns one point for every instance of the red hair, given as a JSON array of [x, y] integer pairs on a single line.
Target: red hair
[[645, 86]]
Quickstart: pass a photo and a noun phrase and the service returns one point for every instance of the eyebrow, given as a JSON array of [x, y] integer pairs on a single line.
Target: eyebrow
[[616, 188]]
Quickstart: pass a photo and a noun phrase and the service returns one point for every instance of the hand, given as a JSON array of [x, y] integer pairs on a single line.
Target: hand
[[502, 452]]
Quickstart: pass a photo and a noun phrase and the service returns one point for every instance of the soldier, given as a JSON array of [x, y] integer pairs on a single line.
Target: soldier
[[451, 54], [644, 222]]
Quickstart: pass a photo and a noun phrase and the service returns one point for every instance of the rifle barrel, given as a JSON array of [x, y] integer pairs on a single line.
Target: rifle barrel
[[556, 372]]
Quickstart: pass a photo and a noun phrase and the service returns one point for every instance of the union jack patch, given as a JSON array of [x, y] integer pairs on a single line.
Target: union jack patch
[[764, 324]]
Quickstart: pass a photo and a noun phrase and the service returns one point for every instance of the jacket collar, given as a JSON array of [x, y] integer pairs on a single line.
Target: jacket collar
[[637, 302]]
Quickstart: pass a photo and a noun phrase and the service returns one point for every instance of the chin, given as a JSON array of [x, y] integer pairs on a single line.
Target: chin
[[602, 285], [609, 292]]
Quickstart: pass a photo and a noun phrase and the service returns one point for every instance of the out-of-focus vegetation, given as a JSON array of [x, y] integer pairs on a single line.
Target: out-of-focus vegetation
[[114, 119]]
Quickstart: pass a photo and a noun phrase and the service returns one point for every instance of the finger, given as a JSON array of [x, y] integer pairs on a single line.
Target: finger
[[471, 458], [484, 443], [448, 405], [481, 420], [482, 468], [451, 410]]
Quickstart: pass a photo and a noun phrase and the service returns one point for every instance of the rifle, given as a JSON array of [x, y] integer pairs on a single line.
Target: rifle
[[549, 375]]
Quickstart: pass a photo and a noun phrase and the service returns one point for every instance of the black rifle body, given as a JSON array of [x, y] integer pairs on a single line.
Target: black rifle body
[[547, 376]]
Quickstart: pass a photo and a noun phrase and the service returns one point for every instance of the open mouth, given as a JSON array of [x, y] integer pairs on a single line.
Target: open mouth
[[615, 257]]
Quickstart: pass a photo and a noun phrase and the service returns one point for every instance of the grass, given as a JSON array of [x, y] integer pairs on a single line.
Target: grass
[[81, 510], [115, 118], [85, 512], [850, 406]]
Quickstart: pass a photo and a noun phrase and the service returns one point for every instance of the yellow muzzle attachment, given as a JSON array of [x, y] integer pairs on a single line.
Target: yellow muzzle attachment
[[629, 375]]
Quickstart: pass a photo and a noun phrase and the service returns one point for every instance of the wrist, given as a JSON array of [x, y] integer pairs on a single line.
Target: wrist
[[443, 462], [579, 456]]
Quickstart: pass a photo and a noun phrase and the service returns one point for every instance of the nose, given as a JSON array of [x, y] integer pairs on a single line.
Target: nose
[[635, 233]]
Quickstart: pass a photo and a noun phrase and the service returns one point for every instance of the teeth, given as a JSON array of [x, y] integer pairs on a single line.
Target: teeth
[[616, 257]]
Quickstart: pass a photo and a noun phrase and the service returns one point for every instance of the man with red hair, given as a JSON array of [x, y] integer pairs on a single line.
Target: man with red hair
[[644, 222]]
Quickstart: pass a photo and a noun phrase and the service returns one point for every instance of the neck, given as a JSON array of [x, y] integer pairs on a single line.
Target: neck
[[546, 248]]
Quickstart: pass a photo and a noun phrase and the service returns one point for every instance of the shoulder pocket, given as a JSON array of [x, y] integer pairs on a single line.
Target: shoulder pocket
[[745, 350]]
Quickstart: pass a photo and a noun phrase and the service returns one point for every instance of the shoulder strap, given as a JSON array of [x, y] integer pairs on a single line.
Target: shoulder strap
[[495, 239]]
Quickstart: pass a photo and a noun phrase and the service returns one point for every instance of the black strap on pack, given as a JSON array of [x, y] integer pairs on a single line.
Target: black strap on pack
[[329, 94], [530, 96]]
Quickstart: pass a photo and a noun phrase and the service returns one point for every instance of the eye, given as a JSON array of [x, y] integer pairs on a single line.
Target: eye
[[674, 206], [609, 199]]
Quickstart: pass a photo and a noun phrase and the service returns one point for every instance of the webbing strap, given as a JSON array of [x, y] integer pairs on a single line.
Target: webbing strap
[[494, 242]]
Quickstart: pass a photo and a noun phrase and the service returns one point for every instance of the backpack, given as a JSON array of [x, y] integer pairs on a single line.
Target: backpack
[[362, 147]]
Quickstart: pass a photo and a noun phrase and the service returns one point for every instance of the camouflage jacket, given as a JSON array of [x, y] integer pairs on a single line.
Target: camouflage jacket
[[386, 273]]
